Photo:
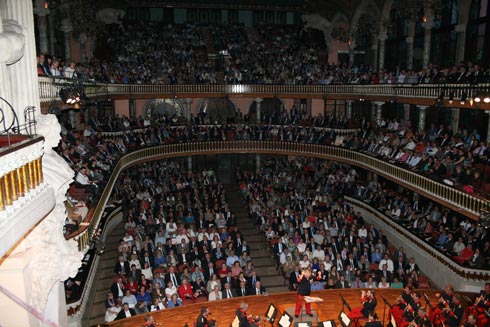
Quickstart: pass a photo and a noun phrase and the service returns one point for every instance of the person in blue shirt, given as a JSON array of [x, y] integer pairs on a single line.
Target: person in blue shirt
[[144, 300], [376, 256]]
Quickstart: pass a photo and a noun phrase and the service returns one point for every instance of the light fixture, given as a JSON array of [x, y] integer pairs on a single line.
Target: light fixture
[[486, 99], [463, 98], [69, 96], [477, 98], [451, 97]]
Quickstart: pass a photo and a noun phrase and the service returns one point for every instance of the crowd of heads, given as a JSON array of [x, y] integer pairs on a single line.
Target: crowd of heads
[[157, 53]]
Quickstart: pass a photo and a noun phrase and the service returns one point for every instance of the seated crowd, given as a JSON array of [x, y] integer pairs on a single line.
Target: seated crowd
[[181, 242], [299, 205], [153, 53]]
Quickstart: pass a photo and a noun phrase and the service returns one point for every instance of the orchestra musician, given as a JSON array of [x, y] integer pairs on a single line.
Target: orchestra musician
[[369, 303], [471, 321], [304, 289], [241, 314], [401, 304], [453, 312], [421, 319], [202, 319], [482, 305], [150, 321], [445, 299]]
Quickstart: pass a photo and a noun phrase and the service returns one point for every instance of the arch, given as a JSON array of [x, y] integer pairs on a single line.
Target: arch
[[172, 108], [385, 12], [361, 9], [271, 110], [216, 110]]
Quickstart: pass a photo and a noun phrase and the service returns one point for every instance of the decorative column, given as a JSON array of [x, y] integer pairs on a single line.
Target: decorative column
[[83, 46], [257, 163], [428, 25], [378, 110], [42, 21], [66, 27], [132, 108], [189, 163], [258, 101], [373, 111], [382, 48], [18, 56], [52, 38], [352, 47], [422, 113], [406, 112], [187, 108], [460, 42], [375, 52], [488, 125], [455, 119], [409, 40], [348, 109]]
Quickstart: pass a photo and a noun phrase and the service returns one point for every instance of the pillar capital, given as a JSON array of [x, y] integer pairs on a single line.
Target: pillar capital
[[187, 100], [382, 36], [258, 100], [378, 103], [422, 107], [409, 39]]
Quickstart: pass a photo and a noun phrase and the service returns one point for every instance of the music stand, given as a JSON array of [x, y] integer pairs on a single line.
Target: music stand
[[427, 301], [271, 313], [386, 303], [344, 319], [328, 323], [303, 324], [345, 304], [286, 320]]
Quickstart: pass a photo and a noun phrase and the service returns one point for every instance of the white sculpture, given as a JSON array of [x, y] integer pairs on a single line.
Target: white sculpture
[[111, 16], [318, 22], [11, 42]]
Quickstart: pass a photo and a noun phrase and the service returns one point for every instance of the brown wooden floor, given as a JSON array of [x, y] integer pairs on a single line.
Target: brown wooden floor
[[224, 311]]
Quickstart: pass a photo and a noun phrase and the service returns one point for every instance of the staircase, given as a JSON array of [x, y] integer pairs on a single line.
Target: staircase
[[262, 258], [95, 312]]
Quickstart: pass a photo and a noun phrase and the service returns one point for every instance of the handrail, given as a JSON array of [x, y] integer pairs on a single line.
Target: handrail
[[466, 204], [456, 199], [49, 89], [469, 273]]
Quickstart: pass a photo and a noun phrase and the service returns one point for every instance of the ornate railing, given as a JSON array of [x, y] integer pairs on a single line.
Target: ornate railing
[[436, 254], [451, 197], [20, 170], [49, 89], [467, 204]]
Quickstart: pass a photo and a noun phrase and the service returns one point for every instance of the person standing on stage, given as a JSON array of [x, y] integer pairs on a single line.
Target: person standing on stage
[[202, 319], [241, 314], [304, 289]]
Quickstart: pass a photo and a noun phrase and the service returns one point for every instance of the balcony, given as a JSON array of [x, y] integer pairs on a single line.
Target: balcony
[[420, 94], [24, 197]]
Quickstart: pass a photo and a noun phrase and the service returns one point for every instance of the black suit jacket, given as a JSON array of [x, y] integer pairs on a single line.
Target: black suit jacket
[[122, 314], [224, 293], [118, 268], [251, 290]]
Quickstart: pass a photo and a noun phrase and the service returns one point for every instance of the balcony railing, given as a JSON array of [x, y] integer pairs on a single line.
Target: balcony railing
[[467, 204], [20, 171], [448, 196], [49, 89]]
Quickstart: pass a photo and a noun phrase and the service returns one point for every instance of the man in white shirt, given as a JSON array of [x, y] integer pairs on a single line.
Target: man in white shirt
[[319, 253], [130, 299], [388, 262]]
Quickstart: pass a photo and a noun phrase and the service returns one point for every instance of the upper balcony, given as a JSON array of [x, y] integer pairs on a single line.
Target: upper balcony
[[448, 95]]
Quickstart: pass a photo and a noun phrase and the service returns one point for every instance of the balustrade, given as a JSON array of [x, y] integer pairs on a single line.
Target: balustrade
[[20, 172]]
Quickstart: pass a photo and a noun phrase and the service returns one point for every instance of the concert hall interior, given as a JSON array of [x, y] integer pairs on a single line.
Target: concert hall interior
[[244, 163]]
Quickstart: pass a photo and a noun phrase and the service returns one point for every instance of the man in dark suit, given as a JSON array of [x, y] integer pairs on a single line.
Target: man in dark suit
[[228, 279], [384, 273], [228, 292], [117, 288], [209, 271], [183, 257], [126, 312], [243, 248], [172, 276], [293, 278], [342, 283], [121, 267], [242, 289], [257, 289], [134, 273], [252, 279]]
